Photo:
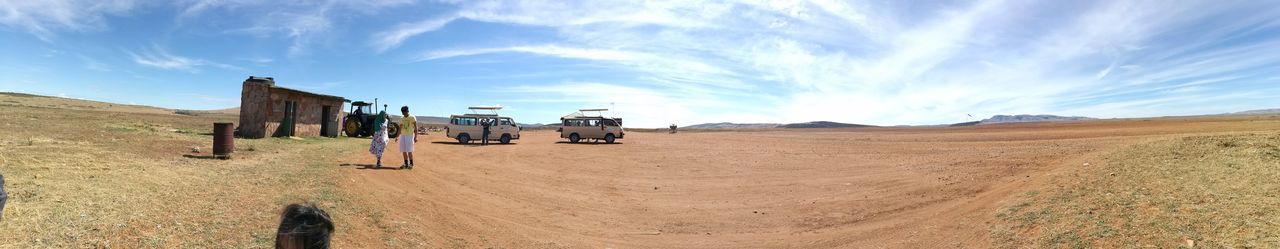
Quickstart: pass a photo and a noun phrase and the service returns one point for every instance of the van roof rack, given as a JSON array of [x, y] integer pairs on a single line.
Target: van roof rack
[[492, 109]]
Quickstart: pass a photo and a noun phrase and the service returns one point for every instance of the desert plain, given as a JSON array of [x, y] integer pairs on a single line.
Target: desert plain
[[92, 174]]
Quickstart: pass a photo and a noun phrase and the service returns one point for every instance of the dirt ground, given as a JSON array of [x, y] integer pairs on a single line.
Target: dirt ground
[[92, 174], [861, 188]]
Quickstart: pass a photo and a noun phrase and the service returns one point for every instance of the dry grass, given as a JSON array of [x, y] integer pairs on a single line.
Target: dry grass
[[1203, 191], [89, 174]]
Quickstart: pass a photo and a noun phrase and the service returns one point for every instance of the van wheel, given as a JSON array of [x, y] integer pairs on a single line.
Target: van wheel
[[573, 138], [506, 139], [464, 138], [608, 138]]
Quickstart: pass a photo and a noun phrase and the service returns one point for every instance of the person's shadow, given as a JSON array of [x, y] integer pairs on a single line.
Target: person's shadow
[[365, 166]]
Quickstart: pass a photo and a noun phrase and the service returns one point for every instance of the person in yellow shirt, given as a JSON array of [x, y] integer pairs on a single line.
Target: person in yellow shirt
[[408, 136]]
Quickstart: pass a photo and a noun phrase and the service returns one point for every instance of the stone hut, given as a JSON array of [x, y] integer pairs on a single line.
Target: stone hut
[[270, 110]]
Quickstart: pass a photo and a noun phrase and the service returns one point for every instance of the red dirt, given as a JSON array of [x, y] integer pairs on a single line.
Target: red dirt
[[866, 187]]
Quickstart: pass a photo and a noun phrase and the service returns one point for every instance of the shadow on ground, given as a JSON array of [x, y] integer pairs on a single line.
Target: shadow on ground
[[470, 144], [589, 143], [369, 166]]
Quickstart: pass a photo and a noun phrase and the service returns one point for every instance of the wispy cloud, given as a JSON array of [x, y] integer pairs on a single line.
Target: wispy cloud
[[44, 19], [392, 38], [157, 57], [549, 50], [892, 63], [303, 23]]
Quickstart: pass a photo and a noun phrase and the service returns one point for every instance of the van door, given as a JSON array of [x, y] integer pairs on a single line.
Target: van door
[[591, 129], [507, 127], [611, 127]]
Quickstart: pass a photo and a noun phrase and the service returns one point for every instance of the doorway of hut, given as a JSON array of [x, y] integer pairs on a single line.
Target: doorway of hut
[[326, 117]]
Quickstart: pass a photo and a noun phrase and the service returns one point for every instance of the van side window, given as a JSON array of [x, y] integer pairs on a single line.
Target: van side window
[[505, 121], [610, 122]]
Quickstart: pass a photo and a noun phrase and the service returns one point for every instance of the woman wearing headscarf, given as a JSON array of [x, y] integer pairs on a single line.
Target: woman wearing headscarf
[[379, 143]]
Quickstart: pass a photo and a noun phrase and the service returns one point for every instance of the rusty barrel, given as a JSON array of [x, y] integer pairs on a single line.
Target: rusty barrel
[[223, 138]]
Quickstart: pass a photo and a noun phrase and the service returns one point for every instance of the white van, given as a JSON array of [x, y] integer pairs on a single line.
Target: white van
[[579, 126], [467, 127]]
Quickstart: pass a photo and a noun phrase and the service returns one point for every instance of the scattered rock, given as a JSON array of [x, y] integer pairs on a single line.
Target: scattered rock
[[1191, 243], [1086, 164], [195, 149], [1113, 174]]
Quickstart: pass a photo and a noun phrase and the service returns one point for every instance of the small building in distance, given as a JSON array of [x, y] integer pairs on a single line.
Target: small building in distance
[[270, 110]]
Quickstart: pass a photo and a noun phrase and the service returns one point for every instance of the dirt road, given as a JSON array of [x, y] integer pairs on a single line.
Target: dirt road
[[879, 187]]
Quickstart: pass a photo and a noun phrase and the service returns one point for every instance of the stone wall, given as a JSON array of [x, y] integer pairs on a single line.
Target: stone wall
[[310, 110], [255, 105]]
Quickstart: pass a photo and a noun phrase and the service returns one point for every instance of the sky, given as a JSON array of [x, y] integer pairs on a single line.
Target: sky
[[662, 62]]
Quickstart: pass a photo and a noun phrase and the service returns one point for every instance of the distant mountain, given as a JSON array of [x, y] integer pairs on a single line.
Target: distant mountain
[[823, 124], [1024, 118], [966, 124], [531, 126], [1257, 112], [432, 119], [726, 125]]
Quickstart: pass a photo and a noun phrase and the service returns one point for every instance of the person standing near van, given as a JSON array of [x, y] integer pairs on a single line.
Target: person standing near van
[[408, 136], [484, 136]]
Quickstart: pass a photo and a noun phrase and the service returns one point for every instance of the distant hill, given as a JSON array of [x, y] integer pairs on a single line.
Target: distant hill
[[966, 124], [1024, 118], [726, 125], [31, 100], [432, 119], [814, 124], [822, 124], [1257, 112]]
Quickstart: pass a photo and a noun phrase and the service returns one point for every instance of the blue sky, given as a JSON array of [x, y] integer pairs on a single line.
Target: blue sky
[[661, 62]]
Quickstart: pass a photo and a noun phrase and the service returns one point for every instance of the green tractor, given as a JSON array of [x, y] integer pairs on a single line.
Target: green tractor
[[359, 121]]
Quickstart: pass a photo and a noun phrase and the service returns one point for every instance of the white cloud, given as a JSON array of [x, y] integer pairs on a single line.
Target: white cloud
[[390, 39], [157, 57], [45, 18], [902, 65], [549, 50], [304, 23]]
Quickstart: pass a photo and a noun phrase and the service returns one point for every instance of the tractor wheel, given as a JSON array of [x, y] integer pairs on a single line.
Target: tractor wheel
[[573, 138], [464, 138], [351, 127], [608, 138], [506, 139], [393, 130]]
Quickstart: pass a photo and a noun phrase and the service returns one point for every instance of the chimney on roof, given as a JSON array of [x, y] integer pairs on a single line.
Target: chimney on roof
[[261, 80]]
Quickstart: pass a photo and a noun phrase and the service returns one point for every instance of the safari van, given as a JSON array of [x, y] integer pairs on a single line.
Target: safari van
[[466, 127], [579, 126]]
